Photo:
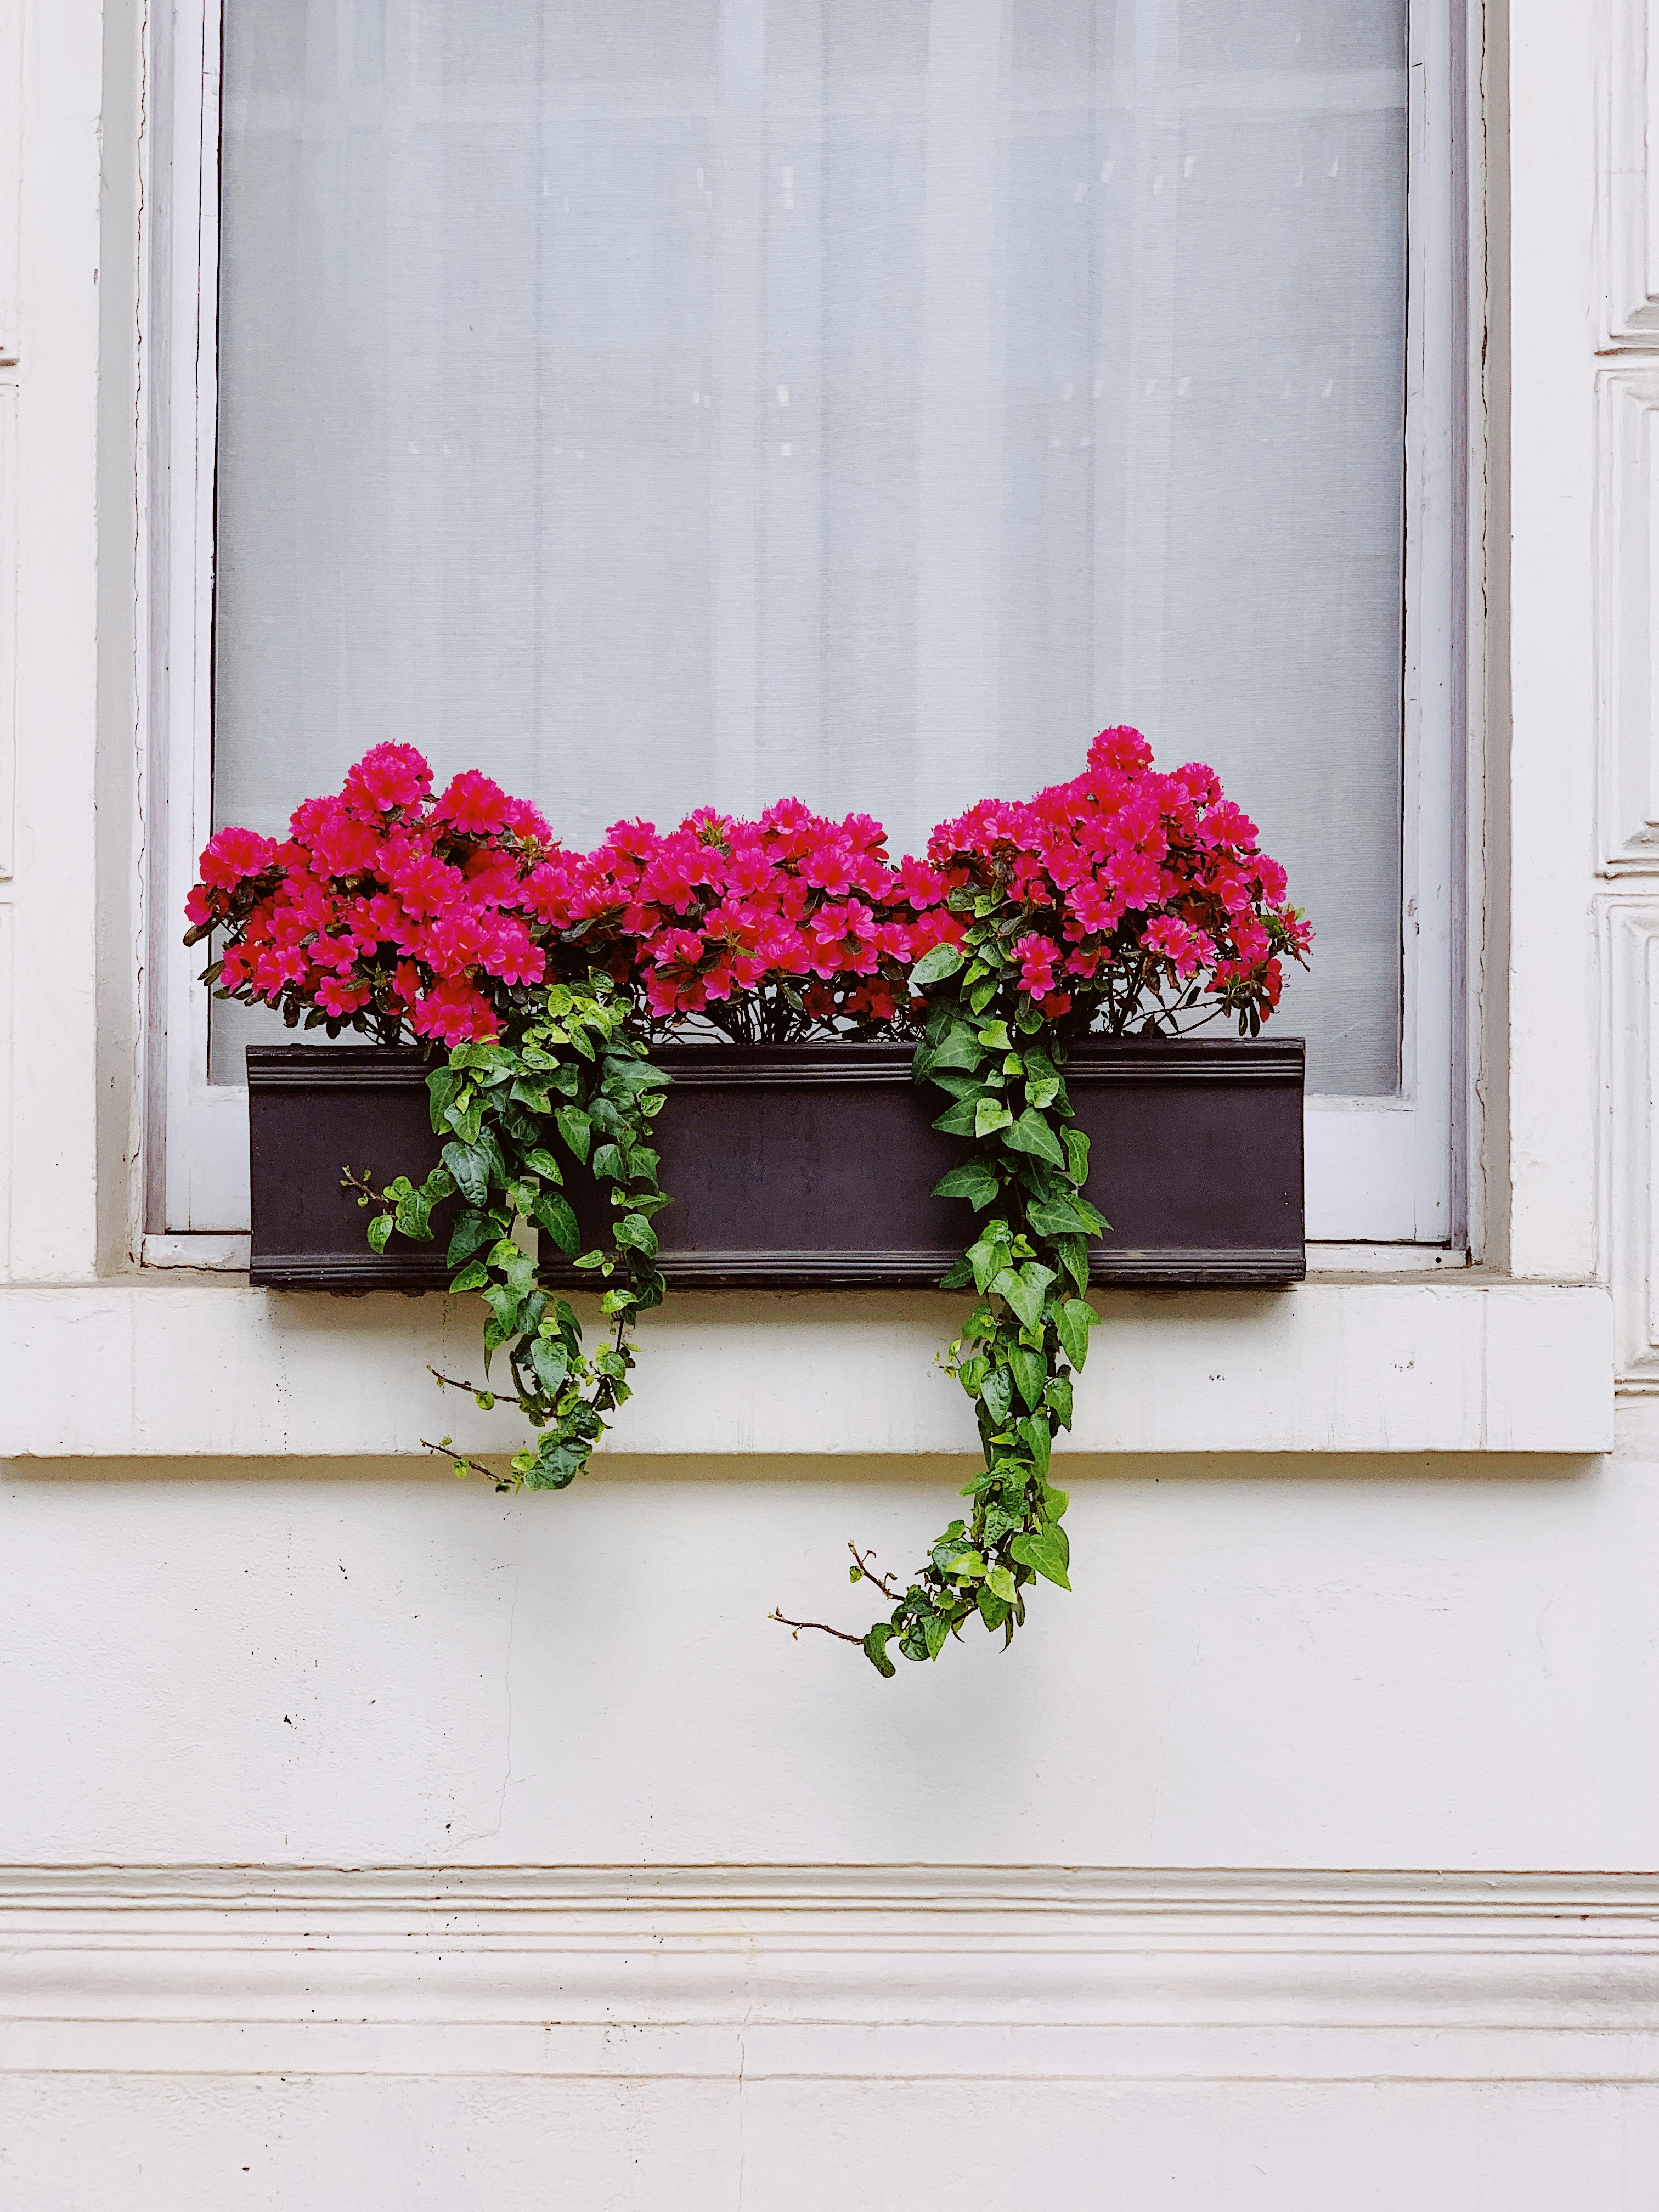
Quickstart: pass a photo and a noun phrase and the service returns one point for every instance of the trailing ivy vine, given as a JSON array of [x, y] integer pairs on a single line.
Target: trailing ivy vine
[[987, 1045], [575, 1081]]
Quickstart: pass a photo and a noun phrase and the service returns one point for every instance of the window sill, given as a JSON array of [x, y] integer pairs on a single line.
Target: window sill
[[1458, 1362]]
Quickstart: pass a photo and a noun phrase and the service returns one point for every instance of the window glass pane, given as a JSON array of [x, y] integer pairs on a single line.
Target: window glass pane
[[666, 401]]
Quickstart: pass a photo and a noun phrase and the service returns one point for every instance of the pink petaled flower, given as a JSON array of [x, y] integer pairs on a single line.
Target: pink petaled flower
[[1037, 957], [1137, 877], [276, 965], [427, 885], [232, 855], [1227, 824], [919, 886], [1056, 1004], [454, 1012], [198, 907], [1250, 939], [1094, 908], [1270, 879], [476, 803], [492, 876], [386, 777], [510, 956], [345, 846], [1172, 941], [1202, 783], [1121, 749], [338, 998], [528, 823], [455, 942], [829, 866]]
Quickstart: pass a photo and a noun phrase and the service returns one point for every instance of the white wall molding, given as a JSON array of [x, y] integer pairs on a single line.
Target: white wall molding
[[745, 1973], [1628, 182], [1456, 1362], [1627, 606], [11, 174], [1630, 1201]]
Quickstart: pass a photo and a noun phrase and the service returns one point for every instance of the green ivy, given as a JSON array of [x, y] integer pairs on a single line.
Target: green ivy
[[991, 1050], [575, 1083]]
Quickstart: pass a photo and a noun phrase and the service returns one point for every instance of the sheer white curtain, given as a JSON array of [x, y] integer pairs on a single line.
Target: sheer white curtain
[[665, 401]]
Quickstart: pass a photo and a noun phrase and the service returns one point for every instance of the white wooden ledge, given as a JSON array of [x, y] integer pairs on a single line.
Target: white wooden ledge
[[183, 1368]]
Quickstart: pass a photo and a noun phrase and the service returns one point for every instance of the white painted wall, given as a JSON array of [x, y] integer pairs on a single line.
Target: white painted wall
[[366, 1839]]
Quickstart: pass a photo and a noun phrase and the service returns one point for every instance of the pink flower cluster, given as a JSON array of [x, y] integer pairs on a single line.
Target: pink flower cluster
[[1139, 891], [383, 907], [386, 908], [794, 911]]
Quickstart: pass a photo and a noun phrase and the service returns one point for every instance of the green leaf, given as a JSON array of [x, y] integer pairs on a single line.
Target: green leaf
[[1073, 1256], [1074, 1318], [634, 1233], [933, 967], [470, 1168], [993, 1611], [1000, 1584], [990, 1114], [1031, 1372], [379, 1229], [997, 1396], [1047, 1550], [609, 1165], [1031, 1133], [553, 1213], [541, 1162], [552, 1362], [470, 1231], [875, 1649], [441, 1086], [957, 1121], [1077, 1155], [576, 1130], [935, 1629], [974, 1180], [1057, 1393], [959, 1047], [1024, 1291], [473, 1276], [1038, 1440], [1061, 1215]]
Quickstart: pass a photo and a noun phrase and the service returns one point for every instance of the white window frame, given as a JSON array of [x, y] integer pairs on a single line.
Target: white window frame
[[1379, 1172]]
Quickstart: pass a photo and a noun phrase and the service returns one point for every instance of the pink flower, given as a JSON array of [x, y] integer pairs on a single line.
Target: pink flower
[[386, 777], [474, 802], [232, 855], [1037, 957], [453, 1012]]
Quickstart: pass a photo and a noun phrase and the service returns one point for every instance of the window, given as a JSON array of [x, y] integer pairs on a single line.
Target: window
[[660, 401]]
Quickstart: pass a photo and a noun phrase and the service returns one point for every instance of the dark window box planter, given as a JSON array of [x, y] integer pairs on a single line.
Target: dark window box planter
[[813, 1165]]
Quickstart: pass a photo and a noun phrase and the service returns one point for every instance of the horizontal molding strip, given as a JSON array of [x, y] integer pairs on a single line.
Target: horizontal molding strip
[[200, 1368], [739, 1972]]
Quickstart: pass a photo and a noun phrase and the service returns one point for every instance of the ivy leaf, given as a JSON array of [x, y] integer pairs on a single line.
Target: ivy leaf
[[875, 1649], [553, 1213], [552, 1362], [959, 1047], [974, 1180], [1058, 1216], [470, 1168], [1031, 1133], [1024, 1290], [1073, 1253], [470, 1232], [1038, 1440], [935, 1629], [441, 1087], [1000, 1584], [1031, 1372], [1047, 1550], [608, 1164], [1057, 1393], [1077, 1153], [634, 1232], [473, 1276], [541, 1162], [379, 1229], [1074, 1318], [997, 1396], [576, 1130], [993, 1611], [959, 1120], [990, 1114], [933, 967]]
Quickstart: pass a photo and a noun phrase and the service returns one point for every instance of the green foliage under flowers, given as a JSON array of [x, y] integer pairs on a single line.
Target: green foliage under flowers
[[989, 1047], [573, 1084]]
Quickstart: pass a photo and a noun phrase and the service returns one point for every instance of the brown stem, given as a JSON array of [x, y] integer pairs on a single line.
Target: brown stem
[[843, 1635], [460, 1459], [869, 1574], [478, 1390]]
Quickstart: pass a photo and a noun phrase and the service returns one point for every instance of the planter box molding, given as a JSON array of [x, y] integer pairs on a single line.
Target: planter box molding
[[812, 1166]]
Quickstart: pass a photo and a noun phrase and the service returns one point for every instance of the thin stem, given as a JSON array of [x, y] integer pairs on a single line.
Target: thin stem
[[842, 1635]]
